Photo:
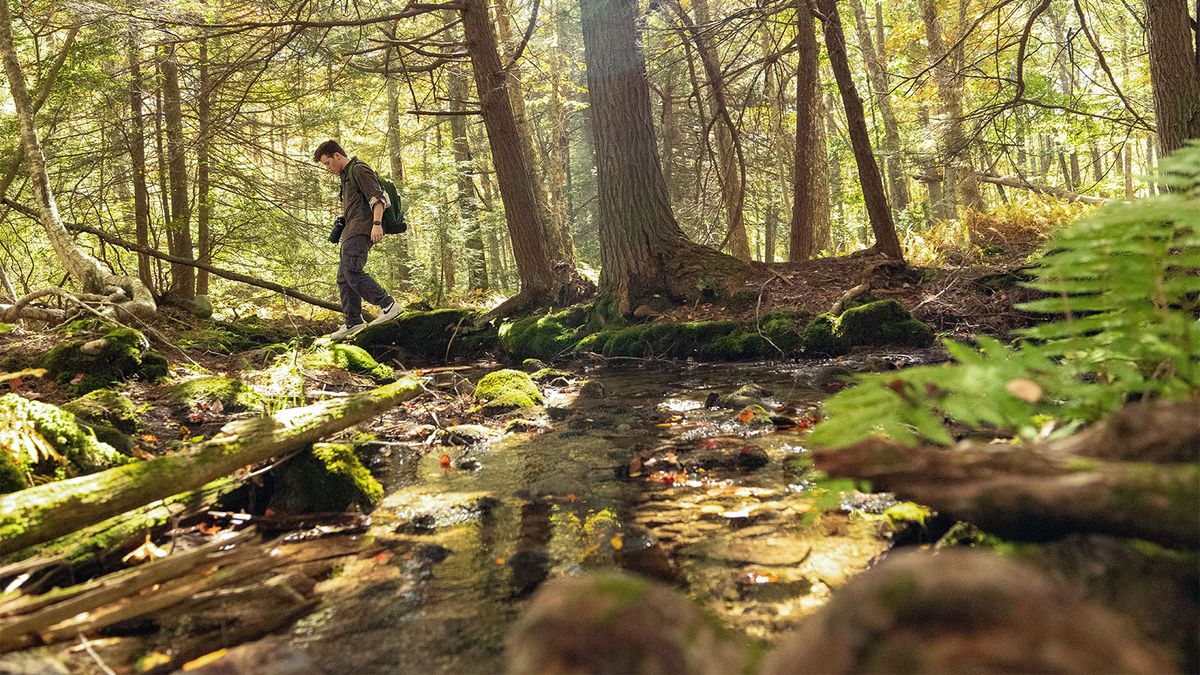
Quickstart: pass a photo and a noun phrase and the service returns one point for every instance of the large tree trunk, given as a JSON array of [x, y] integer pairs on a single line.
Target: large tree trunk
[[514, 167], [783, 143], [1174, 74], [877, 75], [179, 233], [52, 510], [396, 164], [959, 175], [886, 241], [84, 268], [468, 210], [137, 157], [642, 250], [810, 187]]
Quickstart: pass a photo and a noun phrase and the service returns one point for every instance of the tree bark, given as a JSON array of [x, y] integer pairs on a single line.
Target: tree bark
[[810, 187], [179, 234], [203, 183], [959, 174], [84, 268], [137, 157], [873, 56], [468, 211], [514, 168], [1174, 73], [886, 241], [396, 164], [52, 510], [642, 249]]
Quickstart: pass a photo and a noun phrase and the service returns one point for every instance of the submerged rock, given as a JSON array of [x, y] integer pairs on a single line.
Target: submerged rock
[[507, 389], [961, 611], [618, 623], [327, 477]]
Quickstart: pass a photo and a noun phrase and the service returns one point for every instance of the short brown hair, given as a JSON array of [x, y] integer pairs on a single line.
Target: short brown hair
[[330, 148]]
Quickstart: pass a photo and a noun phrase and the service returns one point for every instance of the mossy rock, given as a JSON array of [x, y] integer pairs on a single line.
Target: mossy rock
[[108, 407], [507, 389], [75, 442], [431, 334], [740, 345], [233, 394], [85, 364], [594, 343], [6, 327], [884, 322], [13, 477], [819, 337], [533, 365], [328, 477], [540, 337], [783, 328], [547, 374], [356, 360]]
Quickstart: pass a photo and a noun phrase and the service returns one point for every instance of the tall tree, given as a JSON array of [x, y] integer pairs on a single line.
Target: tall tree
[[642, 250], [873, 55], [179, 233], [396, 164], [810, 190], [468, 211], [137, 157], [884, 228], [88, 271], [204, 132], [960, 177], [1174, 73]]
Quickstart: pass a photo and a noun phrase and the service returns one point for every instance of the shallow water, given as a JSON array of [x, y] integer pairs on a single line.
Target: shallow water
[[758, 546]]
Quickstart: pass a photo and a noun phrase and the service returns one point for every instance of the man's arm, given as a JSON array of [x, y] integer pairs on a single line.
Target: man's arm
[[376, 219]]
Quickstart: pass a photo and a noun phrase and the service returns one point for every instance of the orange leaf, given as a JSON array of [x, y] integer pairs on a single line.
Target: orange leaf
[[445, 462], [202, 661]]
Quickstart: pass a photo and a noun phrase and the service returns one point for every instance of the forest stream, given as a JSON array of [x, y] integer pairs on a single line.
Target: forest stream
[[724, 507]]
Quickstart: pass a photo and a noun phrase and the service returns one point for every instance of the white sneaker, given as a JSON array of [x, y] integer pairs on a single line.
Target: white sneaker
[[346, 331], [388, 314]]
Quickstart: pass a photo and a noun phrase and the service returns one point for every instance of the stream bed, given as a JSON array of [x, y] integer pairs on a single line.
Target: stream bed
[[665, 472]]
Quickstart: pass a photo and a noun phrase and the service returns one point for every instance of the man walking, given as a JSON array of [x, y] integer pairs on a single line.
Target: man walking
[[363, 203]]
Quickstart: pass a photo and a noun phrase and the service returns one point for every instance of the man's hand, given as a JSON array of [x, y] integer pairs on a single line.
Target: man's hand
[[377, 234]]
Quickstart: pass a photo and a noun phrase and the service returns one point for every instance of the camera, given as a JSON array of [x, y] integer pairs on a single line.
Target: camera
[[339, 224]]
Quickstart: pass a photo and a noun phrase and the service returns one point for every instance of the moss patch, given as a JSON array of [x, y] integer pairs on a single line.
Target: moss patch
[[233, 394], [506, 389], [430, 334], [541, 337], [356, 360], [105, 406], [326, 478], [77, 445], [12, 476], [784, 328], [547, 374], [880, 322], [106, 354]]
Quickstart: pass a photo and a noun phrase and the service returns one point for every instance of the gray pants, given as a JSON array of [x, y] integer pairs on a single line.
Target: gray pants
[[355, 285]]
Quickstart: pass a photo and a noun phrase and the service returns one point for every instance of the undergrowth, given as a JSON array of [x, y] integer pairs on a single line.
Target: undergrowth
[[1125, 285]]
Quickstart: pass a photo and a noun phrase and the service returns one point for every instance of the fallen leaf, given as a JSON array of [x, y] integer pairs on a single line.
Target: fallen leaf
[[149, 438], [144, 553], [77, 379], [635, 467], [445, 462], [1026, 390], [152, 660], [202, 661], [617, 542]]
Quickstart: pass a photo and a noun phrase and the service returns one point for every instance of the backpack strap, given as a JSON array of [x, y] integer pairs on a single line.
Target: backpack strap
[[350, 169]]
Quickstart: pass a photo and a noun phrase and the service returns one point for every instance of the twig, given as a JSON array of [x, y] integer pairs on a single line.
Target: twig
[[87, 647]]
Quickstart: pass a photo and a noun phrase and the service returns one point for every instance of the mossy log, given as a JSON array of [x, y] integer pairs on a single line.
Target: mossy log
[[1040, 491], [49, 511]]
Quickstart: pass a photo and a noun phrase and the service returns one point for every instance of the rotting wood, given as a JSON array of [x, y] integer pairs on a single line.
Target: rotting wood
[[49, 511]]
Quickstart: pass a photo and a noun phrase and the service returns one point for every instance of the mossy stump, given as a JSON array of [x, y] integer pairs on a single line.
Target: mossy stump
[[432, 335], [875, 323], [357, 360], [328, 477], [104, 355], [25, 425], [507, 389]]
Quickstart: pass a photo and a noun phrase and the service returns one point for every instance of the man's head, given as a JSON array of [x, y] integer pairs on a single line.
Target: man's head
[[331, 155]]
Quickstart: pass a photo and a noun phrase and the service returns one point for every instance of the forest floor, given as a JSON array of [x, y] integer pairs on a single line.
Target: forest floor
[[654, 467]]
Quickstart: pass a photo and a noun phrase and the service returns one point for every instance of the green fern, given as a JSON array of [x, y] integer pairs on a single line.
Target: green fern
[[1125, 285]]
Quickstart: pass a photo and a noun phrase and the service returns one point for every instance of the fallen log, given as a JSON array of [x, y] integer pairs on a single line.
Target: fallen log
[[49, 511], [154, 253], [1035, 492]]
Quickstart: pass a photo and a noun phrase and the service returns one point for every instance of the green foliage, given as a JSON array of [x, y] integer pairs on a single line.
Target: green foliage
[[45, 422], [507, 388], [1127, 283]]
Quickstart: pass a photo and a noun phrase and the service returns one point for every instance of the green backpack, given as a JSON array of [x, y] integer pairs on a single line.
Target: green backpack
[[393, 216]]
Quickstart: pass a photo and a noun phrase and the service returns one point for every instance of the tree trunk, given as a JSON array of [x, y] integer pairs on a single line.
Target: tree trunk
[[642, 250], [877, 76], [557, 150], [468, 210], [137, 157], [514, 169], [52, 510], [203, 186], [84, 268], [810, 187], [179, 234], [729, 164], [886, 241], [1174, 74], [396, 164], [959, 175]]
